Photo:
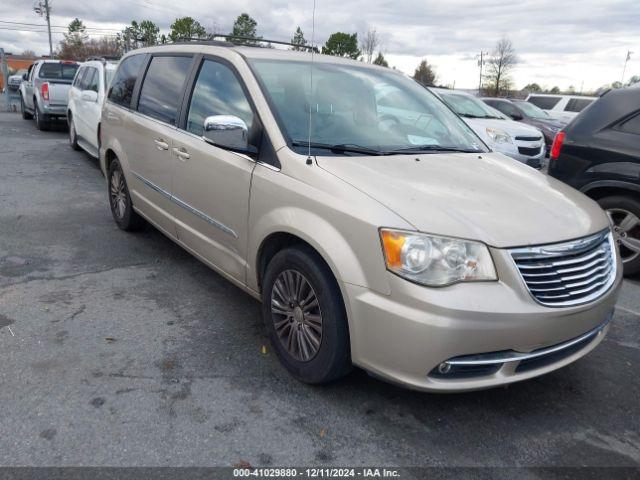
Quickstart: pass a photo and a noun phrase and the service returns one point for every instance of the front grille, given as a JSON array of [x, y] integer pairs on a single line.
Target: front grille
[[568, 273], [529, 139], [529, 151]]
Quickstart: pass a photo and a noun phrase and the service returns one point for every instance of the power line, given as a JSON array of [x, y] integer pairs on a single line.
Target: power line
[[56, 26]]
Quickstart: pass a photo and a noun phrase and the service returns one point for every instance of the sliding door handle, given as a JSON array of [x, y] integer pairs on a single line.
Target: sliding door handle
[[161, 144], [181, 153]]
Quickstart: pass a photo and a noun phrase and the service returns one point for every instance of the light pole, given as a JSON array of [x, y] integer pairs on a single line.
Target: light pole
[[480, 64], [624, 69], [43, 9]]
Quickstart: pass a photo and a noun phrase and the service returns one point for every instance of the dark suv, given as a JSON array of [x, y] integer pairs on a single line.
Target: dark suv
[[599, 154]]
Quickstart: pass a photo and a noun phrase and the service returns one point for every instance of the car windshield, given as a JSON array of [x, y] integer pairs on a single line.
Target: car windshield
[[58, 71], [358, 110], [532, 111], [467, 106]]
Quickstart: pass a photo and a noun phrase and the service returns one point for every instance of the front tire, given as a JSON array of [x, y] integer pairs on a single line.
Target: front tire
[[305, 317], [23, 110], [73, 136], [624, 213], [120, 201]]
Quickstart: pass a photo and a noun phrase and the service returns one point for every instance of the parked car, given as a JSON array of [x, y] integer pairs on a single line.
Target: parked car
[[405, 247], [599, 154], [525, 112], [561, 107], [86, 97], [44, 93], [14, 81], [522, 142]]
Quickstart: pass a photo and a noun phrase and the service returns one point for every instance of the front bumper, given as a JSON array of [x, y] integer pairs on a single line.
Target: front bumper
[[513, 150], [404, 337]]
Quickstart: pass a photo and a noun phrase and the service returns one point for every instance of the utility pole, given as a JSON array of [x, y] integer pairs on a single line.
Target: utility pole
[[5, 79], [480, 64], [43, 9], [629, 52]]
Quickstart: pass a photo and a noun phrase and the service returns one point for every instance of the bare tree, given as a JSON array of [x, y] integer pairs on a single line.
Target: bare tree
[[370, 43], [500, 65]]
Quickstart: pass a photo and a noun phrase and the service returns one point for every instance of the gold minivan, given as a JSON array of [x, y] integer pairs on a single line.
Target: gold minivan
[[376, 228]]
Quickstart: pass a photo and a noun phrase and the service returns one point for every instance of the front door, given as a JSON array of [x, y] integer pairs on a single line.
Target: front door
[[211, 184]]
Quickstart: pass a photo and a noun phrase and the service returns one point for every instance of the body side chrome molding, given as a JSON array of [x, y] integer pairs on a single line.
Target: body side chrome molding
[[186, 206]]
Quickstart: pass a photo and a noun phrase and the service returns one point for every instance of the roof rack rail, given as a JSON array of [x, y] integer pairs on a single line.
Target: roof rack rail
[[103, 59], [234, 40]]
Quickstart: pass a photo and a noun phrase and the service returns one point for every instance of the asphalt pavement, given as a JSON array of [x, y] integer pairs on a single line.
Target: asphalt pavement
[[123, 350]]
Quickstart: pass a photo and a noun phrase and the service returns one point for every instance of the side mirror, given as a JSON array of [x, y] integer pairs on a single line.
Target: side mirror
[[226, 131], [516, 116], [89, 96]]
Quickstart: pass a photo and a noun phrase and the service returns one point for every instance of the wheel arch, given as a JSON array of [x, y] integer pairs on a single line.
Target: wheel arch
[[607, 188]]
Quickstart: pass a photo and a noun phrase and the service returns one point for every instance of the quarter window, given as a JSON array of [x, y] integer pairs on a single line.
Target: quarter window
[[217, 92], [121, 90], [577, 104], [632, 125], [545, 103], [162, 88]]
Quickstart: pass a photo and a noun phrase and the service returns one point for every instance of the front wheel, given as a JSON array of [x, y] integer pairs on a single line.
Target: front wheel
[[624, 213], [23, 110], [305, 316], [120, 201]]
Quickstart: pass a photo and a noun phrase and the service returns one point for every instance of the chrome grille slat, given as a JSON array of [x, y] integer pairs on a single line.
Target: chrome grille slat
[[568, 273]]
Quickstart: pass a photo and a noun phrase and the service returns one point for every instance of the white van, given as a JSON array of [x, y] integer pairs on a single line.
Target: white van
[[561, 107]]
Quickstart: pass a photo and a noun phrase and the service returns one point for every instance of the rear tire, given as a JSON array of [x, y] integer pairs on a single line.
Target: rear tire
[[73, 137], [41, 122], [23, 110], [120, 201], [305, 317], [624, 211]]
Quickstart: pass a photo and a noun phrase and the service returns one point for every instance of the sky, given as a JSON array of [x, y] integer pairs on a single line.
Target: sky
[[565, 43]]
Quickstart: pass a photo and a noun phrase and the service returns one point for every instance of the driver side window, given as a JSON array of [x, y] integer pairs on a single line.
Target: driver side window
[[217, 92]]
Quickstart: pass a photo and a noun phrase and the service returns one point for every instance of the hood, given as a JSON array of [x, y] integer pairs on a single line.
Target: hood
[[480, 125], [486, 197]]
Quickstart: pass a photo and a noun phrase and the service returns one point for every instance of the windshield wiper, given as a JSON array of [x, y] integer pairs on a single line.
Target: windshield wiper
[[340, 148], [432, 148]]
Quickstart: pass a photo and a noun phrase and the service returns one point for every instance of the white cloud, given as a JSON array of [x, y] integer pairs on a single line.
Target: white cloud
[[560, 42]]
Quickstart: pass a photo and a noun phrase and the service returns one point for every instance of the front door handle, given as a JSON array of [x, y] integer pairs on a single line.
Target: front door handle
[[161, 144], [181, 153]]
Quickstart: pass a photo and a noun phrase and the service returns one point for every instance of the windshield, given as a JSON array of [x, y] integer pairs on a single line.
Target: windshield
[[531, 110], [358, 110], [468, 106]]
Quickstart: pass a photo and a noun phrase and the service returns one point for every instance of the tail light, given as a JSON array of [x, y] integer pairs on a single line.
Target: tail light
[[557, 145], [44, 90]]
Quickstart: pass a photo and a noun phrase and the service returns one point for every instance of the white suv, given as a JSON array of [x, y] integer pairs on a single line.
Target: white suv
[[561, 107], [86, 97]]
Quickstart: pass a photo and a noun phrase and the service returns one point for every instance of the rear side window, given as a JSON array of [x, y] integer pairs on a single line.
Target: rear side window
[[631, 126], [91, 80], [58, 71], [217, 92], [121, 90], [545, 103], [577, 104], [78, 78], [162, 88]]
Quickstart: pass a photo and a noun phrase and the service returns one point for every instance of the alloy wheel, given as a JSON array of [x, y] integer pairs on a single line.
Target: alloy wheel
[[626, 232], [118, 194], [296, 314]]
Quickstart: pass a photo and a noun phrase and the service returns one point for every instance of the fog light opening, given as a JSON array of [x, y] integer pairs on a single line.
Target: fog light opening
[[444, 368]]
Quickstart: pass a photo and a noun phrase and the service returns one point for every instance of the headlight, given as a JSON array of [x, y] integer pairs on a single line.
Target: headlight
[[498, 136], [436, 261]]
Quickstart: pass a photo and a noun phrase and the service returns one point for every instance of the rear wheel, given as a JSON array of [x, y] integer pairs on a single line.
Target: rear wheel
[[23, 110], [305, 316], [120, 201], [624, 213], [73, 137], [41, 122]]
